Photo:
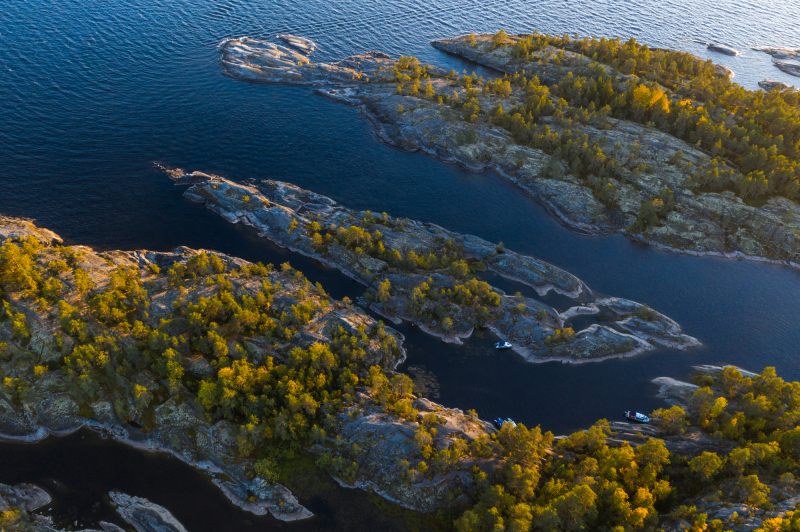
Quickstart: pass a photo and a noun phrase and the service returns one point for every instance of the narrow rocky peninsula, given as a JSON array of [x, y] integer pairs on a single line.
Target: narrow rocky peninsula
[[625, 145], [144, 515], [430, 276]]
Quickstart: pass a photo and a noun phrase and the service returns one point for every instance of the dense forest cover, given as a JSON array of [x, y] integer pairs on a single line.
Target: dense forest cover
[[137, 335], [752, 137], [582, 483]]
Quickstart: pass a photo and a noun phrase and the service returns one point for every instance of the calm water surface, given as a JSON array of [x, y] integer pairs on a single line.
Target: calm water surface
[[92, 93], [79, 470]]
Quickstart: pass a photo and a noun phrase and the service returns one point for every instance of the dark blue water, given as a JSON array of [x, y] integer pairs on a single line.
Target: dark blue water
[[92, 93], [79, 470], [95, 92]]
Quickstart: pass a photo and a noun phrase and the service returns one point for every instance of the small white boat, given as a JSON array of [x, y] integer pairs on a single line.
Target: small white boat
[[503, 345], [636, 417], [301, 43]]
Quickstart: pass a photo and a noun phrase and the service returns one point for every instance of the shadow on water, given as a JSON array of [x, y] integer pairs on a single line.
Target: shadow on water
[[79, 470]]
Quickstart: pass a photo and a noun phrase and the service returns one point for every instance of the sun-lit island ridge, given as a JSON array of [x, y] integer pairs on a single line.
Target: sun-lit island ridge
[[610, 136], [430, 276], [242, 370]]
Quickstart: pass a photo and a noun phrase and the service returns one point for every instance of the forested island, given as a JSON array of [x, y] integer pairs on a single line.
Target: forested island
[[241, 369], [610, 136], [430, 276]]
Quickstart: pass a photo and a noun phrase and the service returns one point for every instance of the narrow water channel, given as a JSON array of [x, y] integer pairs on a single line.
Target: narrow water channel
[[79, 470]]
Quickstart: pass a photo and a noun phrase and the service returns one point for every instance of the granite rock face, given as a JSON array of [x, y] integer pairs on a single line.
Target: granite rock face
[[17, 228], [22, 500], [430, 296], [648, 324], [700, 223], [26, 497]]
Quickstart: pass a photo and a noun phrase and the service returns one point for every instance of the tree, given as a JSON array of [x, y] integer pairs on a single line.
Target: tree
[[672, 419], [267, 469], [753, 491], [706, 465], [500, 39], [384, 290]]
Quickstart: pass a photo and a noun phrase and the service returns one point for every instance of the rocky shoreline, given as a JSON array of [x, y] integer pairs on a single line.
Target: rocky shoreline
[[38, 404], [713, 224], [17, 504], [294, 218], [382, 436], [127, 435]]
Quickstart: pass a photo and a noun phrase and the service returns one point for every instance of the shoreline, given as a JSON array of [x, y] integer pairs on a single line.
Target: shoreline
[[591, 339], [352, 92], [576, 227], [644, 346], [121, 435]]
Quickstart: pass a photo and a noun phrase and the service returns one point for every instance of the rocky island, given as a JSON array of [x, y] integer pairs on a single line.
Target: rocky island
[[609, 136], [429, 276]]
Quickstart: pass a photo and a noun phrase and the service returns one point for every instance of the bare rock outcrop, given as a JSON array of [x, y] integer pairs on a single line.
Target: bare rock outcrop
[[17, 228], [144, 515], [387, 452], [723, 49], [27, 497], [770, 84], [792, 69], [780, 53]]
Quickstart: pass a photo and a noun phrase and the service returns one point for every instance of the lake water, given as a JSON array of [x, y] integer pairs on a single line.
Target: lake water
[[92, 93], [79, 470]]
